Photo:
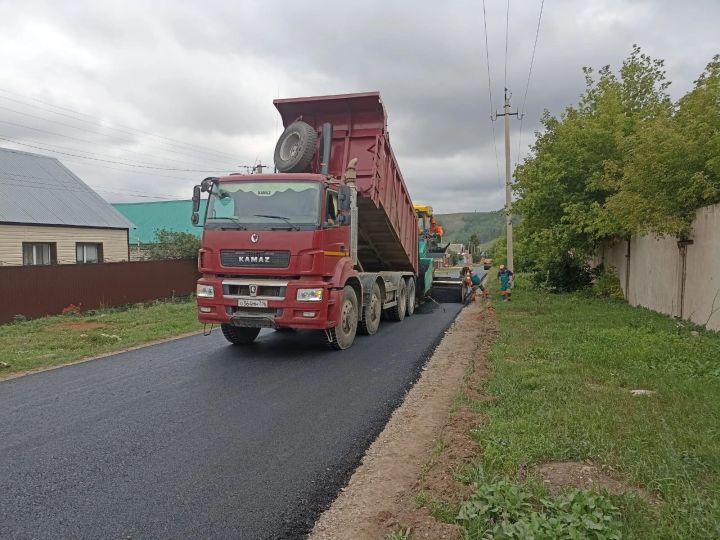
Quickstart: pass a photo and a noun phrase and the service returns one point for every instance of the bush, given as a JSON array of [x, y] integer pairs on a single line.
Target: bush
[[607, 284], [506, 510], [174, 245], [565, 274]]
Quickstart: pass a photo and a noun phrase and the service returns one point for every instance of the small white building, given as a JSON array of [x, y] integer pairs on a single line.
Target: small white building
[[49, 216]]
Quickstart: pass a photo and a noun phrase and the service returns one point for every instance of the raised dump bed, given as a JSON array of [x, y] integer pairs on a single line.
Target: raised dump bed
[[387, 227]]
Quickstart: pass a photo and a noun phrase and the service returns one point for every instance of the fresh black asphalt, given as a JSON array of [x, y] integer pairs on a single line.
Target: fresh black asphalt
[[195, 438]]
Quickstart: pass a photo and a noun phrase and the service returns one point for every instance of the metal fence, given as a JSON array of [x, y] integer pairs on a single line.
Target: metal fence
[[35, 291]]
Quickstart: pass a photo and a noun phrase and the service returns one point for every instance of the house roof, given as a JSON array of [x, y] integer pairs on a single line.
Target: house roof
[[150, 217], [40, 190]]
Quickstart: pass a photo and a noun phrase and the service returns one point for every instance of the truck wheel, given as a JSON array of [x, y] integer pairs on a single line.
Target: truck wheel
[[238, 335], [371, 313], [343, 335], [397, 313], [410, 297], [295, 148]]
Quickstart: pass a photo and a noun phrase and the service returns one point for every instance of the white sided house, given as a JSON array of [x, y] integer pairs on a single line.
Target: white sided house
[[49, 216]]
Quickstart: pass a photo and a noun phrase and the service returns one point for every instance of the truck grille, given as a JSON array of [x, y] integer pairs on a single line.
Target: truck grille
[[266, 291], [255, 259]]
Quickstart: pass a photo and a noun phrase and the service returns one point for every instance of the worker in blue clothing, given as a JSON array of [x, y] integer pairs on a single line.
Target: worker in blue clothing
[[473, 283], [506, 279]]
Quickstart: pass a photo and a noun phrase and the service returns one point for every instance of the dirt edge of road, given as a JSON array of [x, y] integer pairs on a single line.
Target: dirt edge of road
[[420, 445], [97, 357]]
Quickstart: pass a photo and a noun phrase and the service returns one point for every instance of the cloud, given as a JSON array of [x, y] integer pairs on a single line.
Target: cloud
[[205, 74]]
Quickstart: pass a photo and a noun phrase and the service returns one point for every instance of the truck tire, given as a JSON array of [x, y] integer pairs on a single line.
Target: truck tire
[[372, 312], [397, 312], [295, 148], [411, 300], [238, 335], [343, 335]]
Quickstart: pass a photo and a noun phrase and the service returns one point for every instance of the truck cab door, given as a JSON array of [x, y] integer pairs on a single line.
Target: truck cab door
[[336, 237]]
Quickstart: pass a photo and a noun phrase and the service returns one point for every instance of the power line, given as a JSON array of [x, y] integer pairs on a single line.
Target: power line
[[492, 122], [527, 85], [65, 124], [64, 136], [26, 181], [126, 129], [162, 197], [145, 173], [112, 161]]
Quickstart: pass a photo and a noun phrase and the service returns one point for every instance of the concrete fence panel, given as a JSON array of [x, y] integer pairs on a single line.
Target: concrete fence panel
[[676, 277]]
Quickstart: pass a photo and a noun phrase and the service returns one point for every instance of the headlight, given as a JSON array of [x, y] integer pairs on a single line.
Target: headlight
[[205, 291], [309, 295]]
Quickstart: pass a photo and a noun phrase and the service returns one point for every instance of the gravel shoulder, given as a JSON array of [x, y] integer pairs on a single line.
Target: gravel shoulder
[[379, 495]]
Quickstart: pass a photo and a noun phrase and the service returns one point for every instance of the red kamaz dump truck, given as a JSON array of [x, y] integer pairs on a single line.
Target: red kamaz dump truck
[[329, 242]]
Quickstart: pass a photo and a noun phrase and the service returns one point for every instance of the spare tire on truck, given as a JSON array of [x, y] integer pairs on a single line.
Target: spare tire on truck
[[295, 148]]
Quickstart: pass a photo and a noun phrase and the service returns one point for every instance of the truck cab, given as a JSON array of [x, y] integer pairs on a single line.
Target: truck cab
[[270, 251]]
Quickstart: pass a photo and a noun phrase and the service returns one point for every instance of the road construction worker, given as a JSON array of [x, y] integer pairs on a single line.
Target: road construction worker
[[506, 279], [436, 229], [473, 283]]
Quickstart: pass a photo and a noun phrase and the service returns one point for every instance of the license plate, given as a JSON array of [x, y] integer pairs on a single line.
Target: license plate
[[249, 302]]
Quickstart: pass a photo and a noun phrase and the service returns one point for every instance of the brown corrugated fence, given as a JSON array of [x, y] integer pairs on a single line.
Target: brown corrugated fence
[[35, 291]]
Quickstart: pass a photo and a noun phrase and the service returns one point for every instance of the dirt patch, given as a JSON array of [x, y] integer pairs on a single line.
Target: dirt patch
[[80, 326], [561, 476], [421, 446], [421, 525]]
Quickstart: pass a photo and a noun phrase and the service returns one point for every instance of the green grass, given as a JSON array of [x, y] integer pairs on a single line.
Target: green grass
[[56, 340], [562, 370]]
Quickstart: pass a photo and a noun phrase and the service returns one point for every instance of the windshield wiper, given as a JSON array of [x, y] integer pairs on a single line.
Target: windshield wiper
[[286, 220], [233, 219]]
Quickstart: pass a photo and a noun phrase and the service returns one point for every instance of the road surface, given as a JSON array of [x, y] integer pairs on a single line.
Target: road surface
[[197, 438]]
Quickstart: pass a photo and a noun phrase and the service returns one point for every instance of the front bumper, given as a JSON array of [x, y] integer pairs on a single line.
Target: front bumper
[[282, 308]]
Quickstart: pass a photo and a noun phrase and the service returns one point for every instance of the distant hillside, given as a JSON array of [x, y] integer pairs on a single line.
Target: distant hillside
[[459, 227]]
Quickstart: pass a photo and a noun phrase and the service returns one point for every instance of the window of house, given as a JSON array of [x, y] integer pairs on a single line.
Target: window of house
[[86, 253], [332, 207], [36, 254]]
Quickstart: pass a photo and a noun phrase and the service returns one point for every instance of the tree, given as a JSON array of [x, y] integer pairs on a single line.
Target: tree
[[578, 162], [675, 164], [174, 245]]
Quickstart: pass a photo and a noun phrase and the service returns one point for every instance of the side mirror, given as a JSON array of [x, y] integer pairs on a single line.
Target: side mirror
[[194, 218], [344, 198], [345, 202], [196, 199]]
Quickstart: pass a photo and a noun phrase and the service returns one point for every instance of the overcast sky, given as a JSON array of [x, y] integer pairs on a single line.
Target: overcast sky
[[174, 84]]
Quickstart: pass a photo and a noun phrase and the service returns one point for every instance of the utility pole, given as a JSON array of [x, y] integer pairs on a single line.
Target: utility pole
[[508, 180]]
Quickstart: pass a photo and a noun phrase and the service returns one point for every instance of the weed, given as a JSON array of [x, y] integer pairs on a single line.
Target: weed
[[607, 284], [507, 510], [439, 446], [401, 533]]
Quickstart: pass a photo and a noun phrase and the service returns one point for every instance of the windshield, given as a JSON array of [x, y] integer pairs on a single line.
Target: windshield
[[264, 205]]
